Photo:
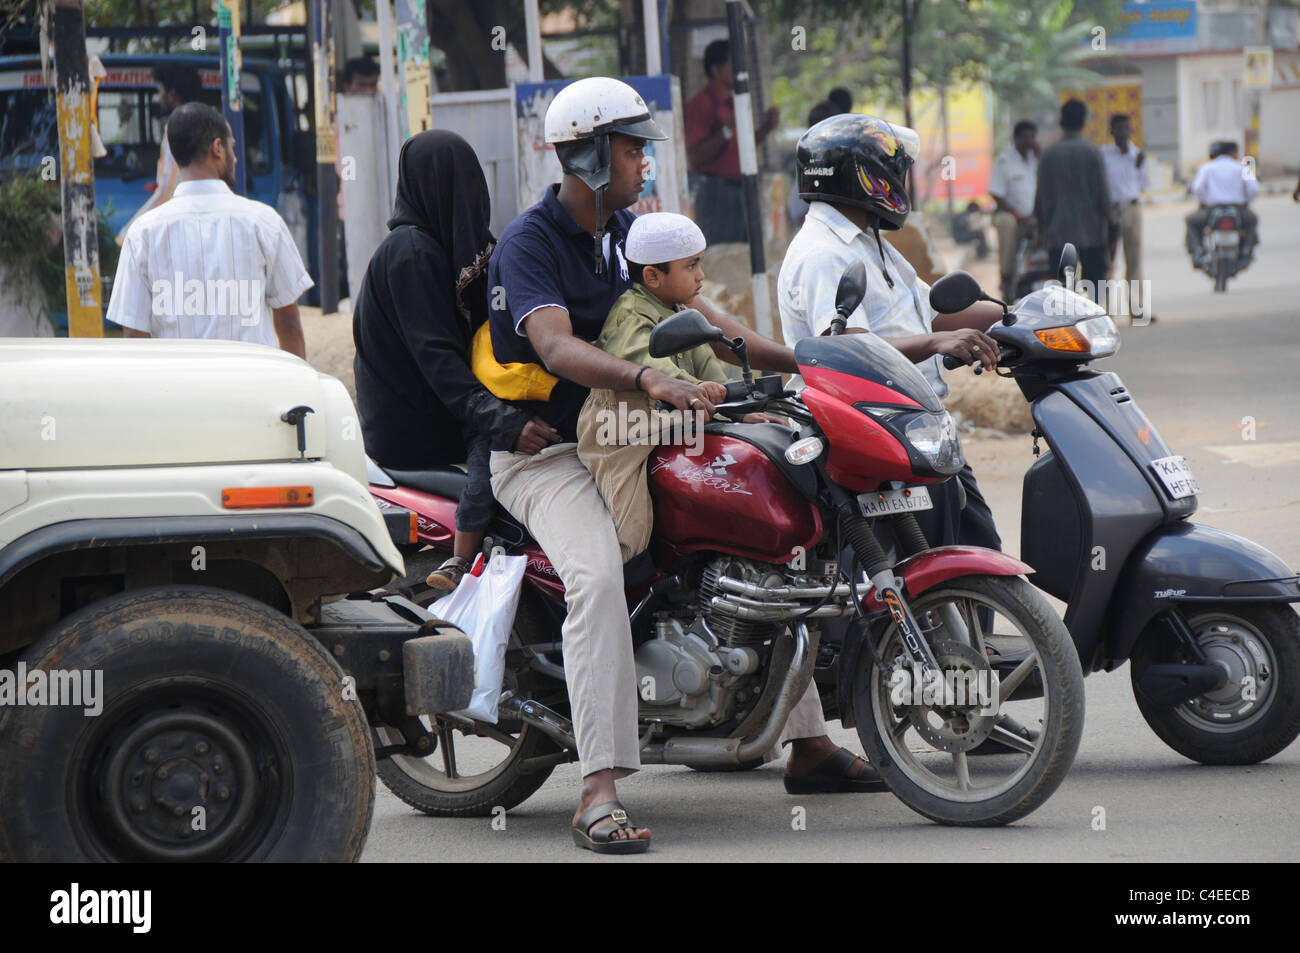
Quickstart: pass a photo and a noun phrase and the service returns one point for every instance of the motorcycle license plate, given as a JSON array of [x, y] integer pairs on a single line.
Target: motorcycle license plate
[[1176, 475], [1225, 239], [910, 499]]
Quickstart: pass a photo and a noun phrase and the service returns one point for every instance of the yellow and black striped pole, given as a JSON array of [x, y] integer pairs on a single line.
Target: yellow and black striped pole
[[77, 172]]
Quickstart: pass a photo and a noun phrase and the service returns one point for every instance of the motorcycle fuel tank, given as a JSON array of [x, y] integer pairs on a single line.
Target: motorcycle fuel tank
[[729, 497]]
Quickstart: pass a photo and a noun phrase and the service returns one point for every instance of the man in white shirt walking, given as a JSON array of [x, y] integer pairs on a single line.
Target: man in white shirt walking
[[1012, 185], [1223, 181], [1127, 174], [209, 263]]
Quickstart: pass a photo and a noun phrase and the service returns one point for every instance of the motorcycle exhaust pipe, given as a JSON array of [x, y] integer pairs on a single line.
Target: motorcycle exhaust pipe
[[749, 611], [555, 726], [776, 593], [1172, 683]]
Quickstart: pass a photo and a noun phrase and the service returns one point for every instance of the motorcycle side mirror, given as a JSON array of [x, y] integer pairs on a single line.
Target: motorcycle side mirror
[[955, 291], [852, 289], [683, 331]]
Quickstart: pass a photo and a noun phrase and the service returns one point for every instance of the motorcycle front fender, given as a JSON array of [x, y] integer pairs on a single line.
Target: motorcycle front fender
[[934, 566], [1190, 566]]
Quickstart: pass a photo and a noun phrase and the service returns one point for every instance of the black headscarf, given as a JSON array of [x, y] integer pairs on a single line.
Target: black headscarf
[[441, 189]]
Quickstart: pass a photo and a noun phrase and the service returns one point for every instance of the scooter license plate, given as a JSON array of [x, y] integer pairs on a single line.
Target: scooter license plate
[[1176, 475], [910, 499]]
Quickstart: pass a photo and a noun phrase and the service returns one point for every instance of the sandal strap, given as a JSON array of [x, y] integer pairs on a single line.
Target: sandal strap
[[836, 765], [611, 809]]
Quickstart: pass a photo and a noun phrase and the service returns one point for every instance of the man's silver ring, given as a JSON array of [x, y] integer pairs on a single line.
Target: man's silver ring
[[693, 400]]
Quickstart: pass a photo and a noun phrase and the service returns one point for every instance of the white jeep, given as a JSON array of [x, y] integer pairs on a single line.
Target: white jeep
[[192, 666]]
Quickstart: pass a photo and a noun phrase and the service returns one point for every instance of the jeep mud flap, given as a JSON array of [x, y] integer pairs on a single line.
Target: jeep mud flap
[[401, 662]]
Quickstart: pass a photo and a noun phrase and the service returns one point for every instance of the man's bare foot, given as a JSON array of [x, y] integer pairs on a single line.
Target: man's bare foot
[[807, 753], [598, 788]]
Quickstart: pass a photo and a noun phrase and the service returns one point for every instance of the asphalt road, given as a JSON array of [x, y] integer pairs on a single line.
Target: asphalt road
[[1207, 364]]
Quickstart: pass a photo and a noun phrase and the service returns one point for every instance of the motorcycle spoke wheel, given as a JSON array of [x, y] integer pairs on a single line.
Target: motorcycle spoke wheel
[[950, 757]]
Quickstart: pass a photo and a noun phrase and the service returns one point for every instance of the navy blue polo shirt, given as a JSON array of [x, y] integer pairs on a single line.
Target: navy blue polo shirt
[[546, 258]]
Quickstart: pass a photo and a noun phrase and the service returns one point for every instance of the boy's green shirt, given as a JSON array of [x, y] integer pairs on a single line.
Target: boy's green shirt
[[627, 335]]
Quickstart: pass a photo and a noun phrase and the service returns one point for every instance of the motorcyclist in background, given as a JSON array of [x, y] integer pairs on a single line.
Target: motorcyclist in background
[[1224, 180]]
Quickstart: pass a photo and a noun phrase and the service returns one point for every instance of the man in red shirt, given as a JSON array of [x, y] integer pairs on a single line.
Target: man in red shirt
[[712, 151]]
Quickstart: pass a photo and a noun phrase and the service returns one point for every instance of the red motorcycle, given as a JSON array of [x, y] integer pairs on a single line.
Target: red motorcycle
[[760, 539]]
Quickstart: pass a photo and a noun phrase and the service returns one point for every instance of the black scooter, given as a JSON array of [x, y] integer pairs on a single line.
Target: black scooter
[[1202, 614]]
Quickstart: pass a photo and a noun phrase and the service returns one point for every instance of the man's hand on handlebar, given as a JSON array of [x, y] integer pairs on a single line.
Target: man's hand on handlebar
[[968, 346], [679, 394], [537, 435]]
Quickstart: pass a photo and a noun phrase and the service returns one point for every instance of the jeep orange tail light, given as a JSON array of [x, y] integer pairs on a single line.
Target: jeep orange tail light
[[262, 497]]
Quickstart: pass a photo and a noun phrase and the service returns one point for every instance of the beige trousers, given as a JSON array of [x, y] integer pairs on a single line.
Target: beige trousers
[[1009, 235], [1130, 231], [619, 466], [555, 497]]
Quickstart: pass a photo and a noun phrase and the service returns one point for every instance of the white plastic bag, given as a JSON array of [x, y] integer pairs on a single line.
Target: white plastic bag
[[484, 608]]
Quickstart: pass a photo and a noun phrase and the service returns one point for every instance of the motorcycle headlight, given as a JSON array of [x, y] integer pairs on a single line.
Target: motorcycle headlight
[[935, 437], [932, 435]]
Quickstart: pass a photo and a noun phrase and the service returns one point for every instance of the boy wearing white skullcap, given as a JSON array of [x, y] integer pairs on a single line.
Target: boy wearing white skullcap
[[663, 255]]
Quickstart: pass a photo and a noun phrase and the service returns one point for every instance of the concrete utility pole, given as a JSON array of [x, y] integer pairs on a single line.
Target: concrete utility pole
[[327, 241], [77, 172], [232, 102], [745, 139]]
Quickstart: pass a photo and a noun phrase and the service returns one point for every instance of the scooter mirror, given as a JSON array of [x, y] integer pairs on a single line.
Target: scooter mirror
[[955, 291], [1069, 259], [683, 331], [853, 286]]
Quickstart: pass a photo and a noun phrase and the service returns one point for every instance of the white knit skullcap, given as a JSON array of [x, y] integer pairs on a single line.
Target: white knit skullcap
[[658, 237]]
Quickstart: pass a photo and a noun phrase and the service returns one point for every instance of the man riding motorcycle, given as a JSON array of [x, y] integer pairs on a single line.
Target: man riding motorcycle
[[561, 266], [1223, 181]]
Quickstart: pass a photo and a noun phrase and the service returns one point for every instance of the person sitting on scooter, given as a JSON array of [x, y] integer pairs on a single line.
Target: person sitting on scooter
[[1223, 181], [424, 293], [853, 172]]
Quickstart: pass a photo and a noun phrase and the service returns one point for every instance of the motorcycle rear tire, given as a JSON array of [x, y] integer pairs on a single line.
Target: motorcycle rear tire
[[1194, 734], [1222, 272], [1062, 727], [418, 782]]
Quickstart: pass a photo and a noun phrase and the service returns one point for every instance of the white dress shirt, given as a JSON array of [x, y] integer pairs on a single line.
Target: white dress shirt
[[1223, 181], [207, 264], [1125, 179], [810, 275], [1014, 179]]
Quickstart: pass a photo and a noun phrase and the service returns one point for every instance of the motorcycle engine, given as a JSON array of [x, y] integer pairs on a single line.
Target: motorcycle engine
[[697, 670]]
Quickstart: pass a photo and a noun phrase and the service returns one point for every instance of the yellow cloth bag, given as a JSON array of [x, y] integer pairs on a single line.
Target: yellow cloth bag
[[508, 381]]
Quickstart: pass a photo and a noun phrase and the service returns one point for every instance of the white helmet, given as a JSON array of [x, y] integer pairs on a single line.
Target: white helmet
[[595, 106], [579, 122]]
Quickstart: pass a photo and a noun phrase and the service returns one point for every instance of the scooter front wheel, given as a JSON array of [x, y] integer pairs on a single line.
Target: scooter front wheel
[[1256, 713], [926, 746]]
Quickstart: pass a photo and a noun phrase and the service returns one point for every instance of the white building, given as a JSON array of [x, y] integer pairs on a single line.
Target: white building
[[1190, 56]]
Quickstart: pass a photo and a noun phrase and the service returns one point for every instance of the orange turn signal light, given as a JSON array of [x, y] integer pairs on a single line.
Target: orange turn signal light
[[1063, 339], [262, 497], [415, 528]]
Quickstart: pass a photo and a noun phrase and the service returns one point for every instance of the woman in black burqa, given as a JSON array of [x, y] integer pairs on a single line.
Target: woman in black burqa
[[423, 297]]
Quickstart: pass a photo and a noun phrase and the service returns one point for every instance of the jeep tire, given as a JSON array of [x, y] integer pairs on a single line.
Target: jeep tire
[[226, 733]]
